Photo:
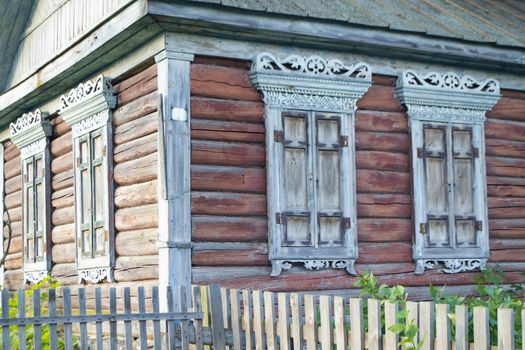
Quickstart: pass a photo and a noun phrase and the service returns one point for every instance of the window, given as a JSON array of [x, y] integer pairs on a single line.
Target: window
[[88, 110], [447, 114], [29, 133], [310, 105]]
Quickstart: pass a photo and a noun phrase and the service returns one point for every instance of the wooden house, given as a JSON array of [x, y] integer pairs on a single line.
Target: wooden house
[[280, 144]]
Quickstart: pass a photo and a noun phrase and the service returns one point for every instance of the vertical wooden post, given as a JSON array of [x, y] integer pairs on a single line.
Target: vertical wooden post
[[375, 333], [462, 342], [340, 324], [442, 327], [236, 318], [283, 300], [174, 193], [269, 325], [505, 329], [426, 324], [310, 322], [5, 315], [296, 305], [217, 324], [357, 329], [391, 338], [481, 328], [412, 309]]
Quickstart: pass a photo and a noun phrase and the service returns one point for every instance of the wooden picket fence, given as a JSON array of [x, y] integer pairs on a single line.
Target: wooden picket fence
[[296, 321]]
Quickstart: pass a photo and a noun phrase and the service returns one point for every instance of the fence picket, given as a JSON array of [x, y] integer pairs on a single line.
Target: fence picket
[[197, 324], [21, 314], [391, 338], [310, 323], [296, 305], [171, 339], [443, 341], [375, 333], [357, 329], [426, 324], [185, 343], [505, 329], [37, 313], [412, 316], [283, 302], [339, 323], [83, 325], [258, 322], [205, 294], [127, 324], [236, 318], [113, 341], [68, 327], [247, 318], [481, 328], [142, 324], [98, 324], [225, 299], [5, 315], [325, 337], [156, 323], [217, 325], [269, 325], [462, 342], [53, 340]]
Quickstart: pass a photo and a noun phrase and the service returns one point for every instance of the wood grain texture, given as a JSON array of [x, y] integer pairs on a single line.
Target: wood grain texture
[[136, 170], [137, 242], [227, 110], [140, 107], [135, 129], [211, 203], [234, 179], [136, 195], [230, 154], [136, 148]]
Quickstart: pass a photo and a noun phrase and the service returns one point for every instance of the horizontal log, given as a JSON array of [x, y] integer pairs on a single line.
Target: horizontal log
[[231, 154], [136, 195], [227, 131], [15, 245], [508, 108], [229, 229], [13, 279], [505, 130], [233, 110], [64, 253], [136, 148], [500, 166], [136, 268], [138, 90], [507, 244], [13, 264], [135, 218], [62, 144], [62, 180], [16, 229], [384, 230], [240, 257], [13, 200], [212, 203], [13, 184], [136, 243], [380, 160], [376, 181], [135, 129], [505, 148], [138, 108], [62, 164], [63, 216], [12, 168], [137, 82], [63, 234], [384, 205], [218, 178], [10, 151], [506, 191], [382, 141], [512, 255], [501, 180], [222, 82], [66, 273], [63, 198], [507, 228], [15, 214], [380, 98], [60, 126], [506, 207], [137, 170]]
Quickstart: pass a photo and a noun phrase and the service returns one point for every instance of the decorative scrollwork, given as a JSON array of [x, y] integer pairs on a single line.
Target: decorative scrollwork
[[26, 121], [451, 81], [279, 265], [84, 90], [34, 276], [95, 275], [90, 123], [451, 265], [29, 133], [313, 65], [33, 148]]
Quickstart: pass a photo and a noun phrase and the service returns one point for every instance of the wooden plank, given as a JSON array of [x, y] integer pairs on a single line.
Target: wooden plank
[[136, 148], [310, 321], [228, 179], [228, 110], [505, 130], [357, 329], [53, 338], [98, 325], [391, 338], [504, 148], [127, 324], [376, 181], [504, 166], [184, 324], [382, 160], [383, 230], [137, 128], [136, 109], [247, 304], [113, 340], [462, 332], [228, 154], [412, 316], [375, 333], [229, 229], [5, 315], [340, 334], [296, 306], [380, 98], [83, 325], [197, 307], [426, 324], [508, 107], [443, 340], [217, 323], [142, 324], [136, 195], [258, 320], [211, 203], [384, 205], [325, 315], [136, 218], [156, 324], [227, 131], [505, 329], [137, 170], [68, 329], [269, 324], [236, 318], [283, 329], [481, 328]]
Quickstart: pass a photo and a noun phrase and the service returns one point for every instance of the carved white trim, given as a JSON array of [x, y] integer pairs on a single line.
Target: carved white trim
[[26, 121], [310, 82], [90, 123], [36, 147], [34, 276], [95, 275], [447, 97], [451, 265], [30, 131], [86, 101], [347, 264]]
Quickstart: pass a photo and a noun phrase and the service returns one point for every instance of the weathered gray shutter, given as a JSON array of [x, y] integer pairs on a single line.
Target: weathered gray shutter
[[84, 177], [39, 207], [434, 154], [98, 192], [29, 210]]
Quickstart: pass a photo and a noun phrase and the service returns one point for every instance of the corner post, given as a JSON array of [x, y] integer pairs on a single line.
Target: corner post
[[174, 161]]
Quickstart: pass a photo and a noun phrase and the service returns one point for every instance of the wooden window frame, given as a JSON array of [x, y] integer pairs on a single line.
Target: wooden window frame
[[451, 102], [311, 86]]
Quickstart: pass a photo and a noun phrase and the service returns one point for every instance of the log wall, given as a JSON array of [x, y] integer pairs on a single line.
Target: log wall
[[228, 187], [135, 173]]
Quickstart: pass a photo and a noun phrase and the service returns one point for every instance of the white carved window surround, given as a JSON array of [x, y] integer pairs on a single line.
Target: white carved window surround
[[309, 116], [30, 134], [88, 110], [447, 123]]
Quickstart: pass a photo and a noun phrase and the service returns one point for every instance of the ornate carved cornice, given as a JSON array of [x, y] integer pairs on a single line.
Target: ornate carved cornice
[[310, 82], [447, 97], [87, 100], [95, 275], [29, 132], [450, 265], [346, 264]]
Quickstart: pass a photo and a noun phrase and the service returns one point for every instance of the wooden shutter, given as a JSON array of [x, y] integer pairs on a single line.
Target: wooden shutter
[[84, 177], [297, 215], [98, 192], [39, 208], [29, 210], [327, 183], [434, 154]]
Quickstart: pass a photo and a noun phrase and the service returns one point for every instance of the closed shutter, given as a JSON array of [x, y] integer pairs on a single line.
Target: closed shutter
[[99, 182], [84, 168], [29, 209]]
